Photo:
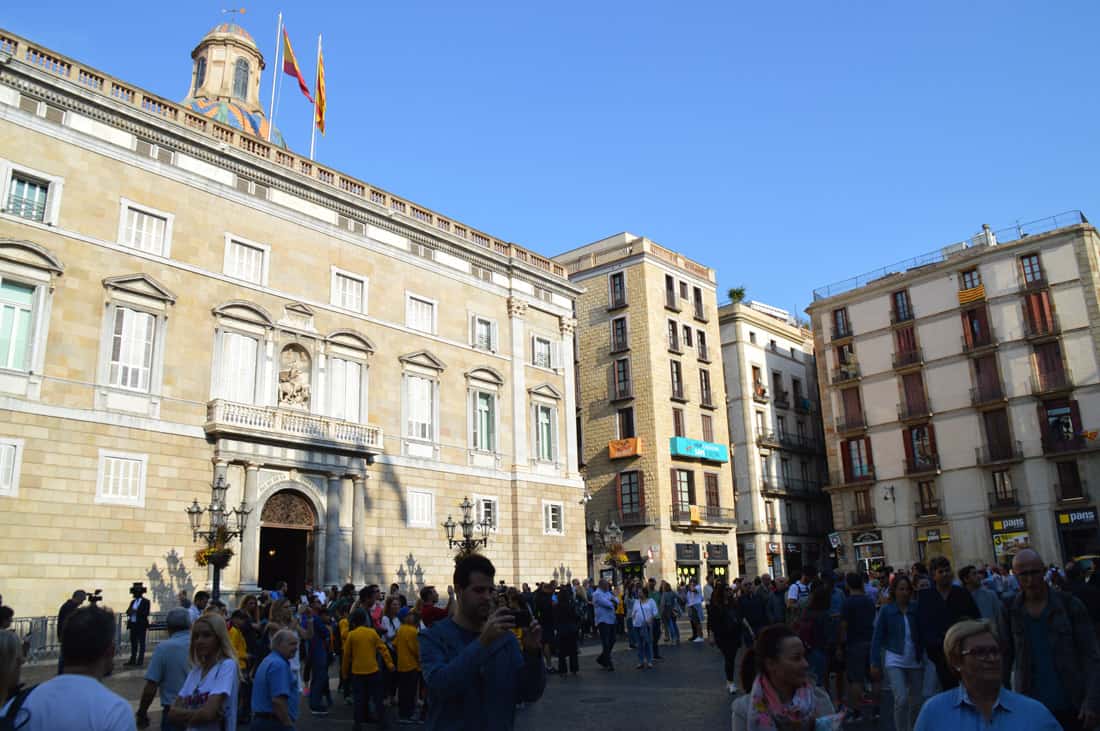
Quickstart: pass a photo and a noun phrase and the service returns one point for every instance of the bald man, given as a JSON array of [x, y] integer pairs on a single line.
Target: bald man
[[275, 691], [1050, 648]]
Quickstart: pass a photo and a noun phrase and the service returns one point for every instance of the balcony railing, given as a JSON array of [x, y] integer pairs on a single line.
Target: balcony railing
[[768, 439], [796, 441], [24, 207], [856, 422], [1072, 493], [799, 486], [988, 394], [783, 399], [865, 474], [625, 518], [975, 343], [290, 425], [1044, 328], [760, 393], [802, 404], [999, 453], [703, 514], [845, 373], [1049, 383], [906, 358], [900, 316], [672, 301], [1064, 445], [914, 412], [772, 525], [1004, 499], [1039, 282], [703, 352], [930, 509], [922, 465], [862, 517], [698, 312]]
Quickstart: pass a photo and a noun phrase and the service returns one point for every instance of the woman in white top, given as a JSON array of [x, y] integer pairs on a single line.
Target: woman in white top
[[388, 625], [896, 640], [207, 700], [643, 614]]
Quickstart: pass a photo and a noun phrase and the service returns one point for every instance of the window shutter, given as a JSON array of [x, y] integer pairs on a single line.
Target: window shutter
[[473, 330], [619, 490], [907, 436], [641, 490], [1075, 416], [846, 458], [495, 338], [1044, 428], [870, 457], [675, 494], [932, 439], [554, 434]]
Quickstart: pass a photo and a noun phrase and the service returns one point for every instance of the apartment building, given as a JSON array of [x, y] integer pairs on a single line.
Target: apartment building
[[184, 299], [961, 399], [654, 439], [778, 459]]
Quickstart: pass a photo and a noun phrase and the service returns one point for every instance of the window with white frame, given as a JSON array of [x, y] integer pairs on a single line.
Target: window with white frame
[[553, 518], [121, 478], [17, 309], [27, 197], [484, 427], [346, 392], [133, 337], [238, 365], [420, 395], [420, 313], [487, 511], [420, 508], [349, 291], [11, 456], [541, 352], [546, 432], [483, 333], [246, 260], [144, 228]]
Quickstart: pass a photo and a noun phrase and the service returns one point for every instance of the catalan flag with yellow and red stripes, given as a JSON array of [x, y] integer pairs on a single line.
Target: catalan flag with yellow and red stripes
[[319, 103], [290, 65]]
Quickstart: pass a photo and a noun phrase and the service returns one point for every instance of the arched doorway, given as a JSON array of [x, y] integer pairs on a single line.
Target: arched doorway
[[287, 525]]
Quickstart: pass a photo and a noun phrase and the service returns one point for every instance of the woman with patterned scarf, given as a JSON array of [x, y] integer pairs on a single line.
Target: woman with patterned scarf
[[784, 696]]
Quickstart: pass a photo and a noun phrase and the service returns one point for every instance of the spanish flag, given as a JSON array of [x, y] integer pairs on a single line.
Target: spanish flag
[[290, 65], [319, 104]]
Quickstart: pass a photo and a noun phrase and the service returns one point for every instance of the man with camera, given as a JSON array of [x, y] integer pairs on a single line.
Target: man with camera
[[475, 669]]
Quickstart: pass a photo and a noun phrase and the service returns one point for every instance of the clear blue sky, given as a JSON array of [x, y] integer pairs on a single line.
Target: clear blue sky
[[786, 144]]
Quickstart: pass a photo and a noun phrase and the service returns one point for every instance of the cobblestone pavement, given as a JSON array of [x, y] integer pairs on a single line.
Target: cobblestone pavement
[[686, 690]]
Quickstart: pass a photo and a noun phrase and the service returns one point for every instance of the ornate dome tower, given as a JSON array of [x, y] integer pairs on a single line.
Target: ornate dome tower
[[225, 81]]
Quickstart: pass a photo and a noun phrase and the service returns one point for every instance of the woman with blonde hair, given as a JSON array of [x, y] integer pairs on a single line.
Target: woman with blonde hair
[[207, 700]]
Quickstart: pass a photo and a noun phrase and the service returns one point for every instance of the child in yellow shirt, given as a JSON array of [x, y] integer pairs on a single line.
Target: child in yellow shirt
[[362, 647], [407, 644]]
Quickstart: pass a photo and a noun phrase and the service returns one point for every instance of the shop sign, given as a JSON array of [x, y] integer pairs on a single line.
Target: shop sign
[[773, 548], [619, 448], [794, 548], [933, 535], [868, 537], [687, 552], [698, 449], [1080, 518], [1010, 535], [834, 540], [718, 552]]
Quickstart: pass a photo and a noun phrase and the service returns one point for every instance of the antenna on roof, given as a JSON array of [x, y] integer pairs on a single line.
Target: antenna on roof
[[234, 12]]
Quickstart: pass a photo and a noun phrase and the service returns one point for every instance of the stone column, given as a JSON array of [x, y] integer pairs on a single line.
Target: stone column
[[359, 530], [250, 541], [517, 310], [346, 504], [568, 324], [332, 531]]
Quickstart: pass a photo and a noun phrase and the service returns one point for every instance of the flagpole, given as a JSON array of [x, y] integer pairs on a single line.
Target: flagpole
[[275, 75], [313, 130]]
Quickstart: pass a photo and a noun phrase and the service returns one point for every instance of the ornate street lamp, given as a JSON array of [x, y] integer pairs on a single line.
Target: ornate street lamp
[[468, 543], [223, 526]]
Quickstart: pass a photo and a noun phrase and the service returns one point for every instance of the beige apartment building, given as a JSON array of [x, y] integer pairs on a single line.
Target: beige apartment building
[[962, 401], [183, 299], [654, 438], [778, 444]]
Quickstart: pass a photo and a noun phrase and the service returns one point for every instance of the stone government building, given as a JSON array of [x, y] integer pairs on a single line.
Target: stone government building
[[182, 299]]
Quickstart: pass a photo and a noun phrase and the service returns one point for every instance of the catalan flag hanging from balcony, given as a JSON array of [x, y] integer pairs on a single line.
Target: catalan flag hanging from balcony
[[974, 294]]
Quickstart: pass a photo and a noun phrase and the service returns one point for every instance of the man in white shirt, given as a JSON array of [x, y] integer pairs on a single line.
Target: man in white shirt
[[800, 590], [77, 700], [695, 611], [198, 606]]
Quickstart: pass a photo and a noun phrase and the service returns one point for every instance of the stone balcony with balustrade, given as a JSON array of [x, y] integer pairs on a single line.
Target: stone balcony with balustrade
[[291, 426]]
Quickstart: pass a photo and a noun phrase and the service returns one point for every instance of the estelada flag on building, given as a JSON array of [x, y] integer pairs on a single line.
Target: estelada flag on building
[[320, 102], [290, 65]]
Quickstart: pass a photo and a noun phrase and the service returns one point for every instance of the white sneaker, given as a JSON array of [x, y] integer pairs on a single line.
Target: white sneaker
[[698, 639]]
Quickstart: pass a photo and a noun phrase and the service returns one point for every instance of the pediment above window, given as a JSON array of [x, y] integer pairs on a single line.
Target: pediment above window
[[351, 339], [140, 285], [485, 374], [28, 253], [299, 316], [245, 312], [423, 359], [546, 391]]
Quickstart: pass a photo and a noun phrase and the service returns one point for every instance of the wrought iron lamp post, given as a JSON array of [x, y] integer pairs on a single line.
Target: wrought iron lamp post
[[611, 540], [468, 543], [223, 526]]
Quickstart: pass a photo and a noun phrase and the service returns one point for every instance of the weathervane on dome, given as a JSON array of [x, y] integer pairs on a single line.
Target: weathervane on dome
[[234, 12]]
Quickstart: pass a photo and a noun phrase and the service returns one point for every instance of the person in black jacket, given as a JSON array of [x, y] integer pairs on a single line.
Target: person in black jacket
[[70, 606], [1088, 594], [137, 621], [544, 613], [725, 624], [939, 607], [567, 625]]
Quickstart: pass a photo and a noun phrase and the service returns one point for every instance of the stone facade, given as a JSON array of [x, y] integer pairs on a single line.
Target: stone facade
[[666, 534], [189, 303], [961, 400], [778, 443]]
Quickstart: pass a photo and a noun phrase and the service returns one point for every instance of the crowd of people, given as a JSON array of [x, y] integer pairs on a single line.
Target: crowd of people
[[808, 653]]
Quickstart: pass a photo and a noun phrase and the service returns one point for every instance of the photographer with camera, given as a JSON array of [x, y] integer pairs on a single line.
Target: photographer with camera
[[475, 669], [71, 605]]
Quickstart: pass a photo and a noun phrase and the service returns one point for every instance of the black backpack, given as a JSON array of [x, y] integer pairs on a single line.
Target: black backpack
[[7, 721]]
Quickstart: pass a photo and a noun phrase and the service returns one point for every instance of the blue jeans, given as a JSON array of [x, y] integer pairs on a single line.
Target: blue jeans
[[672, 629], [166, 725], [644, 637], [907, 686], [632, 635], [817, 665], [318, 683]]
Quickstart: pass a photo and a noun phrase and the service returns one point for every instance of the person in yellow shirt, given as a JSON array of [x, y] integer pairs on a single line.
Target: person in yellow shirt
[[362, 646], [338, 647], [620, 612], [237, 621], [407, 644]]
